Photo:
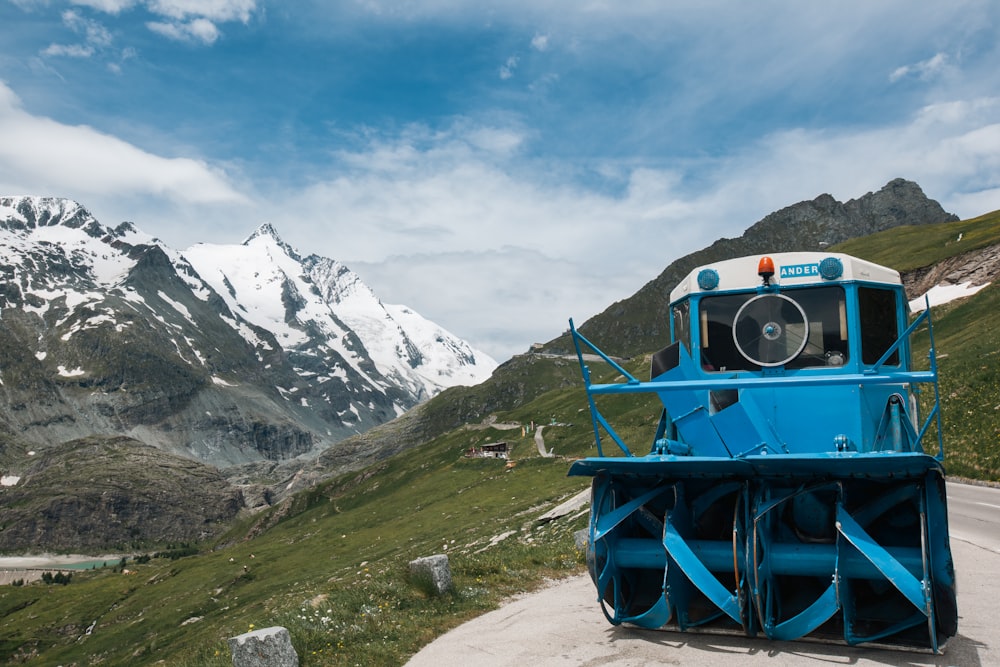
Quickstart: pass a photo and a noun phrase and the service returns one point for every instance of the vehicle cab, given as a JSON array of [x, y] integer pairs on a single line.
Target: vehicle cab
[[791, 345]]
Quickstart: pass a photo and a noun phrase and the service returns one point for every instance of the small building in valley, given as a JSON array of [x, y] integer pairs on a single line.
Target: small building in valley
[[493, 450]]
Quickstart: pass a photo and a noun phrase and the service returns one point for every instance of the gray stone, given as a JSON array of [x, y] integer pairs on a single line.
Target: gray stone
[[268, 647], [436, 569]]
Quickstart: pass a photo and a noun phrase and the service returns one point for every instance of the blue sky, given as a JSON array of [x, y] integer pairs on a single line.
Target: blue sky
[[499, 167]]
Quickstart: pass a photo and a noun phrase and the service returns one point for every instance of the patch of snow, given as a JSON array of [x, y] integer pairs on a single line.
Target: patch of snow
[[179, 307], [41, 355], [9, 480], [73, 373], [941, 294], [222, 383], [177, 348], [8, 212], [107, 265], [196, 351], [447, 360], [97, 320], [248, 334], [254, 276], [37, 310], [131, 295]]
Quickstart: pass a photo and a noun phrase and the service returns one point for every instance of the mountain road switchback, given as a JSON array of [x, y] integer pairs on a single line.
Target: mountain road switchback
[[562, 624]]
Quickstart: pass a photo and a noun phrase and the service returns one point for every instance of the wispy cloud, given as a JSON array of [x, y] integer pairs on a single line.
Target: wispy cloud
[[179, 20], [69, 50], [489, 242], [196, 20], [107, 6], [96, 37], [197, 30], [924, 69], [507, 69], [215, 10]]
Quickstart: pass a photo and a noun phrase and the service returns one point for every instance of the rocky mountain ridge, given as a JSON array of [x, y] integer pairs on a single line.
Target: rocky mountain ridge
[[639, 323], [224, 354]]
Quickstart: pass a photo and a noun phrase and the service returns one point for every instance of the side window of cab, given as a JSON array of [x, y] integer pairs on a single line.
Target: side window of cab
[[879, 324], [681, 317]]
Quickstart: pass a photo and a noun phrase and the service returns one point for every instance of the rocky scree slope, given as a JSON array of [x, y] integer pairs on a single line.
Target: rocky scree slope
[[113, 494]]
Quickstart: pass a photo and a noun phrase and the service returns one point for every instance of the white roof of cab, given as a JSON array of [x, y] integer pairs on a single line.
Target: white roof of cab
[[790, 269]]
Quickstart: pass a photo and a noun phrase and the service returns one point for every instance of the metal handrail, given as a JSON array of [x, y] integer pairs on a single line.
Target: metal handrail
[[869, 376]]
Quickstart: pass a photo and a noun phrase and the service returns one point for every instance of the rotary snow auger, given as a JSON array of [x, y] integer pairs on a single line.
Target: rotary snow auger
[[787, 492]]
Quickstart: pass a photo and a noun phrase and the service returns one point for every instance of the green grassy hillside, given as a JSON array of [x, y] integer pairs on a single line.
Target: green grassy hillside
[[908, 248], [966, 335], [967, 338], [330, 562]]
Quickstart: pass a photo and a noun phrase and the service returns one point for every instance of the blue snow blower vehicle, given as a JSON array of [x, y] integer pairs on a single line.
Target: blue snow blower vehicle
[[792, 489]]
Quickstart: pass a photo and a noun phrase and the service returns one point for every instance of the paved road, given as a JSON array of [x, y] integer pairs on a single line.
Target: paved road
[[974, 515], [562, 625]]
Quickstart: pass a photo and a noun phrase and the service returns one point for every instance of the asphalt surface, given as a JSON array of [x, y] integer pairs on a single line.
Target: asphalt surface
[[563, 624]]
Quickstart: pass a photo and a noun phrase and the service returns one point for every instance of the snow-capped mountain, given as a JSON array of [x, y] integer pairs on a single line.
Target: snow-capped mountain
[[318, 305], [227, 353]]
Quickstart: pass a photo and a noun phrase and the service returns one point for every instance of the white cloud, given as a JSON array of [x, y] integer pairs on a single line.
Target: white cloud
[[922, 70], [507, 69], [94, 32], [499, 300], [215, 10], [69, 50], [96, 37], [503, 249], [179, 10], [198, 30], [184, 20], [108, 6], [461, 190], [195, 20], [540, 42], [40, 155]]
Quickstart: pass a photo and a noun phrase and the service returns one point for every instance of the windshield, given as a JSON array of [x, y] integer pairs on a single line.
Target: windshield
[[795, 329]]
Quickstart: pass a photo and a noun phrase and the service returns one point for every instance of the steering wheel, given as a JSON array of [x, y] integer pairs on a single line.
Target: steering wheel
[[770, 330]]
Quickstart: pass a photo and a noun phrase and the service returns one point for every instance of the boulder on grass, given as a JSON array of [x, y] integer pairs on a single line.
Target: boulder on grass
[[435, 570], [268, 647]]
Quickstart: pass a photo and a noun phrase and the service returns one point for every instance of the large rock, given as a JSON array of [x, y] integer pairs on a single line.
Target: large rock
[[433, 569], [268, 647]]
